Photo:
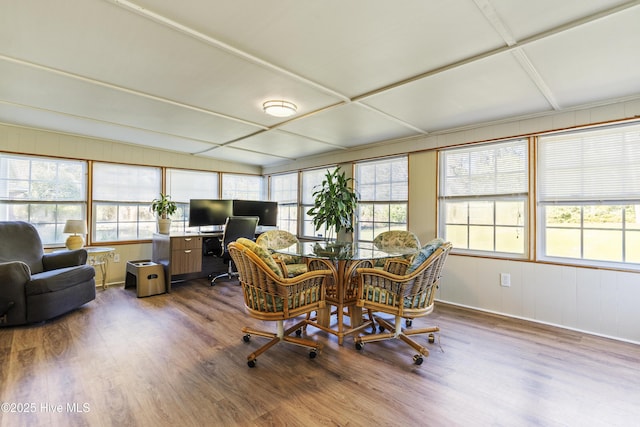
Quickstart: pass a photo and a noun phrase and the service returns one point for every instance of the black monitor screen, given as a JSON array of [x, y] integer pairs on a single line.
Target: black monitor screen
[[266, 211], [205, 212]]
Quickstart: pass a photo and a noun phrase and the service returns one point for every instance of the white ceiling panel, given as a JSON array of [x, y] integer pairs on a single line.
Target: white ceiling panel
[[151, 58], [592, 62], [283, 144], [191, 75], [352, 46], [59, 122], [482, 91], [243, 156], [525, 19], [59, 92], [350, 125]]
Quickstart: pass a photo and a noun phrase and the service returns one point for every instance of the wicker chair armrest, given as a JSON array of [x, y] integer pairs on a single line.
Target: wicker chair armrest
[[282, 265], [396, 266]]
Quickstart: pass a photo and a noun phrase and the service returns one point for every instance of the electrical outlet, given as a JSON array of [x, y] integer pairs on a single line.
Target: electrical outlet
[[505, 279], [116, 258]]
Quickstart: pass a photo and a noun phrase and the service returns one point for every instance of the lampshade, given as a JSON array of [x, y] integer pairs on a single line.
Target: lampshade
[[280, 108], [79, 228]]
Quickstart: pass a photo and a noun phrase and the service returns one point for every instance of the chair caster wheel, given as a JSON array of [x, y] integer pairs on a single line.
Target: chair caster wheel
[[417, 359], [252, 363], [408, 323], [432, 338], [299, 332], [246, 338], [313, 353], [359, 345]]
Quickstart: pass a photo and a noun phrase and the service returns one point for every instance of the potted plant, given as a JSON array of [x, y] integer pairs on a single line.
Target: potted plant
[[163, 208], [335, 203]]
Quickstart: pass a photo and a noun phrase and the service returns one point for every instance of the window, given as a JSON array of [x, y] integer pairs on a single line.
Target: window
[[246, 187], [43, 191], [310, 179], [589, 196], [184, 185], [122, 195], [483, 197], [383, 187], [284, 190]]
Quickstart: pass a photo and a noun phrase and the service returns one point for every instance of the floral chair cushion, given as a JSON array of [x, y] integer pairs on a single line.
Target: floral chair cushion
[[279, 239], [263, 254], [396, 239], [424, 254]]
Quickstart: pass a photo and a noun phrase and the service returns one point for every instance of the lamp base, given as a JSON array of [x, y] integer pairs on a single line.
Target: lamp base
[[74, 242]]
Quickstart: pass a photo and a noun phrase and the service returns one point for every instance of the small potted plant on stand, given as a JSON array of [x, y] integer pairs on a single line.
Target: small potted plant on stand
[[163, 208], [335, 203]]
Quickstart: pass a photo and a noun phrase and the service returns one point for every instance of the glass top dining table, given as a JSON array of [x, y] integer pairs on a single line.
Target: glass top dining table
[[347, 251], [342, 258]]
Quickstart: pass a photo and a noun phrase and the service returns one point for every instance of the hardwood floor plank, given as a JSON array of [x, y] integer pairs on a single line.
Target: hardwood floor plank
[[179, 359]]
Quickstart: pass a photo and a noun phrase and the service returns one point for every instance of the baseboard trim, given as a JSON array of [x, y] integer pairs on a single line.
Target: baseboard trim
[[540, 322]]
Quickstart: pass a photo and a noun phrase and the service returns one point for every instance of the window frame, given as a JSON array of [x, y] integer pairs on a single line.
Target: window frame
[[49, 229], [144, 218], [180, 220], [289, 205], [594, 152], [377, 201], [487, 185], [306, 204]]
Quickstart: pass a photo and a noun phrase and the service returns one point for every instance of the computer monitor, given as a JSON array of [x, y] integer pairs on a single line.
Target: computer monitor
[[267, 212], [205, 212]]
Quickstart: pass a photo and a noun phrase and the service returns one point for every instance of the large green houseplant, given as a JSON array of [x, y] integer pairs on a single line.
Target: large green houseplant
[[335, 203], [164, 207]]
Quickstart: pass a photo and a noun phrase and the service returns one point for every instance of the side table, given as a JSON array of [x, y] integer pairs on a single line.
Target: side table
[[100, 256]]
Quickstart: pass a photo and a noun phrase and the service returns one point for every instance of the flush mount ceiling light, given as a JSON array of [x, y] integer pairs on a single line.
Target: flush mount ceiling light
[[280, 108]]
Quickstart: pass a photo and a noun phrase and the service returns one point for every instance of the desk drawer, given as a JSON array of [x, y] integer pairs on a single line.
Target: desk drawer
[[186, 261], [194, 242]]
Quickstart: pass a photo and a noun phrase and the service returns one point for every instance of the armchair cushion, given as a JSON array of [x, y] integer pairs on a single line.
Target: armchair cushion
[[59, 279], [424, 254], [62, 259], [21, 242]]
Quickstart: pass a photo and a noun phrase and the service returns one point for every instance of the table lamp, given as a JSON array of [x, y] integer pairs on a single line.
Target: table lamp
[[79, 228]]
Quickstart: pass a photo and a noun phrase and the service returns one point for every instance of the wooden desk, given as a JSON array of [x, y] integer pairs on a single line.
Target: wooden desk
[[342, 258], [179, 254]]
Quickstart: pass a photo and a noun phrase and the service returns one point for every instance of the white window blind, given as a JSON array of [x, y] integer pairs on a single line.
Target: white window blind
[[591, 165], [248, 187], [184, 185], [487, 170]]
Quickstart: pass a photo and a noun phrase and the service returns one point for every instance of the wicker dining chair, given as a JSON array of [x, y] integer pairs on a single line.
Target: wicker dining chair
[[269, 296], [407, 295], [280, 239]]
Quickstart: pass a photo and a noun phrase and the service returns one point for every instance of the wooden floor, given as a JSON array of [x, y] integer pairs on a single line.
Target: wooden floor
[[179, 360]]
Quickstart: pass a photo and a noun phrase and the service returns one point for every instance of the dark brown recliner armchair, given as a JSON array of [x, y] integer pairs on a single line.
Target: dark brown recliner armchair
[[35, 286]]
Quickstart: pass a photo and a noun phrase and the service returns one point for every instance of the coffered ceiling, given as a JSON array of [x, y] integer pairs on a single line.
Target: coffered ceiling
[[190, 76]]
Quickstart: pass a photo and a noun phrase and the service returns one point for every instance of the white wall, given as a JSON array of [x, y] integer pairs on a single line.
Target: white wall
[[596, 301]]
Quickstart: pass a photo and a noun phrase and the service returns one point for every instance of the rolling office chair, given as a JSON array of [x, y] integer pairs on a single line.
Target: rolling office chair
[[234, 228]]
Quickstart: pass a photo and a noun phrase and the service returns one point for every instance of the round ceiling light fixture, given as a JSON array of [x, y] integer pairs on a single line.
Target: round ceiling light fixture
[[280, 108]]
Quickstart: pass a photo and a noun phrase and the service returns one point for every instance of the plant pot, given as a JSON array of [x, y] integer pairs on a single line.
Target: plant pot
[[164, 226]]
